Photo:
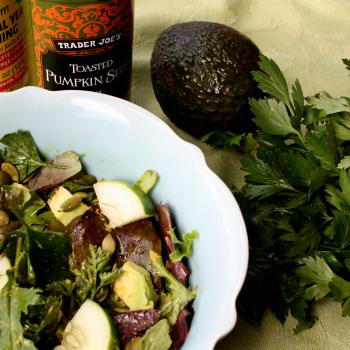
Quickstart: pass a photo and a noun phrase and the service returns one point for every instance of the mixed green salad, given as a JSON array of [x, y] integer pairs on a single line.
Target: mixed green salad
[[86, 263]]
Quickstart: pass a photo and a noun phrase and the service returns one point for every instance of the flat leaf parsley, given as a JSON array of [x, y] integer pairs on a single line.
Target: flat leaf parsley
[[296, 201]]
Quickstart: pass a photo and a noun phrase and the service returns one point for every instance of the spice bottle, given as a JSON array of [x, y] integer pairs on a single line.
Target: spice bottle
[[13, 52], [83, 45]]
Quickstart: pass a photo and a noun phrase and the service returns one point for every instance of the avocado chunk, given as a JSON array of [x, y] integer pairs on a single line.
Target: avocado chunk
[[201, 76], [134, 287], [56, 203]]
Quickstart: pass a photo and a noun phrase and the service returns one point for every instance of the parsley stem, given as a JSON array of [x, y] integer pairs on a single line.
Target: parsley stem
[[299, 139], [335, 251], [274, 261]]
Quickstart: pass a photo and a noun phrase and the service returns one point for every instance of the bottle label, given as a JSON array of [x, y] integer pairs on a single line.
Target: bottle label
[[13, 64], [85, 45]]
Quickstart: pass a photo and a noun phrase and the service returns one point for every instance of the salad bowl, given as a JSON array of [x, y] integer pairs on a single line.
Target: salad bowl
[[120, 140]]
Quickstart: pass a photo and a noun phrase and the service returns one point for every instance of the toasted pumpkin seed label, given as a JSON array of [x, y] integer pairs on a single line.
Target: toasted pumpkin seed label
[[70, 204]]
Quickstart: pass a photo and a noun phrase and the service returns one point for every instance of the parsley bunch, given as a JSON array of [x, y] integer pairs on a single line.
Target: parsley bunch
[[296, 201]]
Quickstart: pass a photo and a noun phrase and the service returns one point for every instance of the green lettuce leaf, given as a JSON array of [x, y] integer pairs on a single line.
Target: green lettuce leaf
[[14, 301], [182, 248], [157, 337], [177, 296], [24, 204], [20, 150], [48, 177]]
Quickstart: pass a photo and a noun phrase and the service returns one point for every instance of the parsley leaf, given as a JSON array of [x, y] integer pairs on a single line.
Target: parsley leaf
[[298, 101], [318, 275], [90, 280], [272, 117], [272, 81], [341, 225], [346, 61], [340, 289], [339, 197], [344, 163], [230, 140], [306, 240], [328, 104], [321, 142], [263, 180]]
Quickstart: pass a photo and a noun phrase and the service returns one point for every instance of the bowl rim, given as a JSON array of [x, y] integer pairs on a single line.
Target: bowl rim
[[231, 317]]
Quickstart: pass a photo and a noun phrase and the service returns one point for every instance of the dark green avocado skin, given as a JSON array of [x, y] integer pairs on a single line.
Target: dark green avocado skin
[[201, 76]]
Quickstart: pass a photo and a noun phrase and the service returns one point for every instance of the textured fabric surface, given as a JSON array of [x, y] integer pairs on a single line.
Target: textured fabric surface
[[307, 38]]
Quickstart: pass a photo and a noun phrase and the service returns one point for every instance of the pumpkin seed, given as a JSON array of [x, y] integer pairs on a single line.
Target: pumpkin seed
[[87, 180], [56, 226], [4, 218], [10, 170], [70, 204], [108, 244], [11, 226], [81, 195]]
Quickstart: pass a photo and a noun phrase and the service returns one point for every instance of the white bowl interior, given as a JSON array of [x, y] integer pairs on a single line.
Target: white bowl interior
[[119, 141]]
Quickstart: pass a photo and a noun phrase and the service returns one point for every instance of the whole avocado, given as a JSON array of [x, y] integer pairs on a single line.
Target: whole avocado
[[201, 76]]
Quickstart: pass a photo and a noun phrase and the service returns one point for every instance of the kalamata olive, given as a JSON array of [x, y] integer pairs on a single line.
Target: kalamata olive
[[133, 323]]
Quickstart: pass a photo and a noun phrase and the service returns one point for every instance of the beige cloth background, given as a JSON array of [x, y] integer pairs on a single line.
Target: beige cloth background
[[307, 38]]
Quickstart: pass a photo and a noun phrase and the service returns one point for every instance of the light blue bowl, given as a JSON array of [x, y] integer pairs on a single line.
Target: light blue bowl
[[120, 140]]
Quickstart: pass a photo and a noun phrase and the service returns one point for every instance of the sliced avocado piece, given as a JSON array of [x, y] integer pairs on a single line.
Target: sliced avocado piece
[[5, 265], [134, 287], [134, 344], [59, 197], [91, 328], [122, 202]]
